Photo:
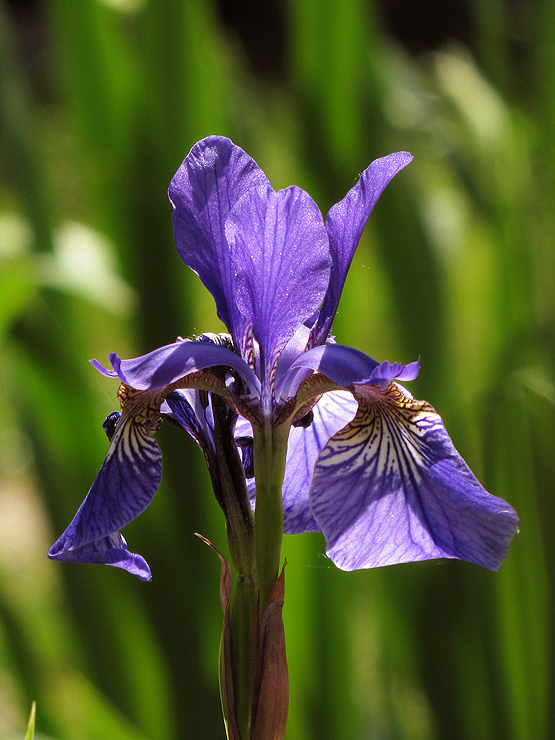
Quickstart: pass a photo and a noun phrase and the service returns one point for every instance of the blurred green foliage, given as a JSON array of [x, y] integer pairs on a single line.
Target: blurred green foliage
[[457, 266]]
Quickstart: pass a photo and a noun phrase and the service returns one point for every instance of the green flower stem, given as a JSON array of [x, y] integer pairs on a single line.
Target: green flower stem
[[243, 611], [269, 448], [228, 480]]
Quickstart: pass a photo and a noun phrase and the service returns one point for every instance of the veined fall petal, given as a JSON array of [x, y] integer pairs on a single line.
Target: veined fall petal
[[391, 488], [124, 487]]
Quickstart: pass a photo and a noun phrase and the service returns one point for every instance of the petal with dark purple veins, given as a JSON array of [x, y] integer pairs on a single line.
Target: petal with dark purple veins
[[123, 488], [345, 223], [212, 178], [281, 261], [391, 488]]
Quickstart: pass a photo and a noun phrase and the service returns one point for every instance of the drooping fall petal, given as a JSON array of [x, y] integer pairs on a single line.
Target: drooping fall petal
[[391, 488], [124, 487]]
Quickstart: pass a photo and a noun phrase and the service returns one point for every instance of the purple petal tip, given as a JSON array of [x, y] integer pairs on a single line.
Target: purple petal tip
[[101, 369]]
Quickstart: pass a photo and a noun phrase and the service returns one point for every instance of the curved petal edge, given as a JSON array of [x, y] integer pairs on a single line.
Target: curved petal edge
[[391, 488]]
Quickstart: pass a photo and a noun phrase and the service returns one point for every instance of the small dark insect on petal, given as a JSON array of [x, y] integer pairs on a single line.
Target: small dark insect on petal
[[110, 423], [305, 421]]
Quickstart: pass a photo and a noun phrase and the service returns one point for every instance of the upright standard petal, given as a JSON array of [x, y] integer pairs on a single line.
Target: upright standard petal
[[122, 490], [280, 256], [391, 488], [213, 177], [345, 223]]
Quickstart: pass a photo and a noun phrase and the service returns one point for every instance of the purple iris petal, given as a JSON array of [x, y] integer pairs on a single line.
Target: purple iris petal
[[109, 550], [388, 371], [345, 366], [167, 364], [122, 490], [280, 255], [105, 371], [295, 347], [391, 488], [212, 178], [345, 223], [246, 453], [184, 407]]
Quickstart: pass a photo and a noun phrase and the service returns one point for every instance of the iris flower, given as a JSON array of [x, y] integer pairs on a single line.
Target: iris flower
[[367, 465]]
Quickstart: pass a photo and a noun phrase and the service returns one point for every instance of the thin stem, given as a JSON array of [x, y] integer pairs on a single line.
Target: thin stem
[[228, 481], [269, 448]]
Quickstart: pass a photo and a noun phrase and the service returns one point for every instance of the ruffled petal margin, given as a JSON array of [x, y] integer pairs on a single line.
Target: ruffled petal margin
[[391, 488]]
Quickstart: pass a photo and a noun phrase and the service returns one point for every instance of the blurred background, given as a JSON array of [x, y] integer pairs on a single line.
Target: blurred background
[[100, 101]]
